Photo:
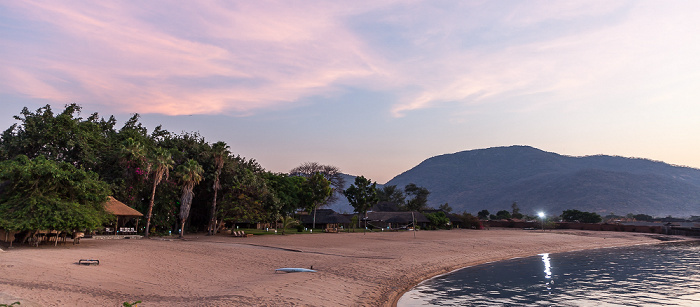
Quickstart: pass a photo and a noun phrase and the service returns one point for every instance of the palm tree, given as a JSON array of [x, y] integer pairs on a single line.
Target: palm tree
[[220, 153], [287, 222], [161, 163], [190, 174], [132, 153]]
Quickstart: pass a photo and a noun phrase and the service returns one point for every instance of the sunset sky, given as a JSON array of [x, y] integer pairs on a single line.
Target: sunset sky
[[373, 87]]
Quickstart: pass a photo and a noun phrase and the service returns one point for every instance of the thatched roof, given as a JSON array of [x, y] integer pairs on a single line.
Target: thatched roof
[[118, 208], [325, 216], [397, 217]]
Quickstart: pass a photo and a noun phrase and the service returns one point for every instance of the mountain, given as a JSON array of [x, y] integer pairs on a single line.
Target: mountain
[[494, 178]]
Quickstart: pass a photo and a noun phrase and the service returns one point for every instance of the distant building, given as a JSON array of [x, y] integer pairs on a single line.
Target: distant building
[[325, 219]]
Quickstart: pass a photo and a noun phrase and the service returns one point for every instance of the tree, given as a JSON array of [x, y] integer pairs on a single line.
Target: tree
[[190, 174], [287, 191], [287, 222], [643, 217], [438, 220], [330, 172], [59, 137], [580, 216], [515, 211], [503, 215], [316, 191], [43, 194], [470, 221], [161, 163], [392, 194], [445, 207], [219, 153], [246, 194], [419, 197], [483, 214], [362, 195]]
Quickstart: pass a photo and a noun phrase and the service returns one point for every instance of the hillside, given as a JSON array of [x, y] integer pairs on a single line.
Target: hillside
[[494, 178]]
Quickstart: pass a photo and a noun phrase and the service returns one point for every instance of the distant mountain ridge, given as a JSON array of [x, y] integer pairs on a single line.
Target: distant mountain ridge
[[494, 178]]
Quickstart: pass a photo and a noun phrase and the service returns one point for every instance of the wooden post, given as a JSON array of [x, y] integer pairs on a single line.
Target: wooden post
[[413, 217]]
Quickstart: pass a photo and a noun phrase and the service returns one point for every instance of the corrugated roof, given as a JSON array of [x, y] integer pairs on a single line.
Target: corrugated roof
[[118, 208]]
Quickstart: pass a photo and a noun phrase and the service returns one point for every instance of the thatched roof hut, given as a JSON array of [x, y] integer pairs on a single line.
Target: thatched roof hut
[[118, 208], [122, 212], [325, 218]]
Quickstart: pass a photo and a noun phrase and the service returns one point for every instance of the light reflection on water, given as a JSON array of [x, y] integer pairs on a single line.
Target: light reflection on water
[[650, 275]]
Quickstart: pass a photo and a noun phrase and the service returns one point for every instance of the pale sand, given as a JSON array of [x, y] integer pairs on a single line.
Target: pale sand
[[355, 269]]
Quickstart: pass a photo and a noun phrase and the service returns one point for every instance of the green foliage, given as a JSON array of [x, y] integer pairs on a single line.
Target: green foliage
[[160, 162], [445, 207], [43, 194], [10, 305], [289, 222], [189, 174], [642, 217], [470, 221], [418, 197], [438, 220], [483, 214], [134, 304], [362, 195], [391, 194], [502, 215], [329, 172], [315, 191], [580, 216], [287, 191]]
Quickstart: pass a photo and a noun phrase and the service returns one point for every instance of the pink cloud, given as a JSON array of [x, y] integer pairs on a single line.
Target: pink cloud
[[264, 54]]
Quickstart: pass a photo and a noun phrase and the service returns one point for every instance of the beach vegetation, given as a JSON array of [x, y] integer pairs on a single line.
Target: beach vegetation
[[470, 221], [218, 153], [417, 197], [501, 215], [161, 162], [438, 220], [189, 174], [580, 216], [316, 191], [391, 194], [329, 172], [483, 214], [362, 195], [43, 194]]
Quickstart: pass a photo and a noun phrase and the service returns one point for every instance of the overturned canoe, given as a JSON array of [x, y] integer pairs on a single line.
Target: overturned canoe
[[294, 270]]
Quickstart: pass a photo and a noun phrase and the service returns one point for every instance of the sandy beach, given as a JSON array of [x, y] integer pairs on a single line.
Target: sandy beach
[[354, 269]]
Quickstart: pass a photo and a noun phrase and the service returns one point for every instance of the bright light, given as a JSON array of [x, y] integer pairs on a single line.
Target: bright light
[[541, 214]]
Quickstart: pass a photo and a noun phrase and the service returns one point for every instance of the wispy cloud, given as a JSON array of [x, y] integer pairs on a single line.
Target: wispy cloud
[[210, 57]]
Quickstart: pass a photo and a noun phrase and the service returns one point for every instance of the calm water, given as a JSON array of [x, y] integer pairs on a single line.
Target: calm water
[[650, 275]]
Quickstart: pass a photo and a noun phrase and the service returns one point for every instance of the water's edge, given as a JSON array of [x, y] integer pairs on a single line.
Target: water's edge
[[394, 300]]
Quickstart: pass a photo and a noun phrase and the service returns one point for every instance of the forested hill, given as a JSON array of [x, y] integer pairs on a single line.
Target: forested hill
[[494, 178]]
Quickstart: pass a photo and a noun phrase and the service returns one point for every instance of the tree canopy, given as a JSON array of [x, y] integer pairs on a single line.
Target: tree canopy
[[362, 194], [580, 216], [43, 194]]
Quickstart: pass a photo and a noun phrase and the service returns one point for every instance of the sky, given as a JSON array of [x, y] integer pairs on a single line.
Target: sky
[[372, 87]]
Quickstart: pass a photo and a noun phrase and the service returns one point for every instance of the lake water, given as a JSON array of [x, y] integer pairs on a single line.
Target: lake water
[[665, 274]]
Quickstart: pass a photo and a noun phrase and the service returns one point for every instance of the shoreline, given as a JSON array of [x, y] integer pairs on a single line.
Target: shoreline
[[354, 269], [397, 296]]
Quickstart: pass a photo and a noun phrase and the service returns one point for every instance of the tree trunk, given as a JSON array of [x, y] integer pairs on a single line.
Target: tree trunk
[[182, 229], [150, 211], [314, 223], [212, 222]]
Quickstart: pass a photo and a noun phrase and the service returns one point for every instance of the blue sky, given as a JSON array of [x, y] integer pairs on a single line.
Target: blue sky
[[373, 87]]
